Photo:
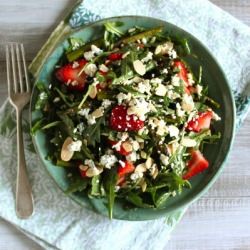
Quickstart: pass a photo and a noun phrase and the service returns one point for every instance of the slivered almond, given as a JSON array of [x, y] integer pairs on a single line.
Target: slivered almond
[[93, 172], [93, 91], [141, 168], [139, 67], [83, 167], [98, 113], [127, 146], [187, 142], [149, 162], [66, 154], [144, 186]]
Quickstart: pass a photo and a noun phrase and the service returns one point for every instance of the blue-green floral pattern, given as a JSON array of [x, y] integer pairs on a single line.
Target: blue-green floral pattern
[[59, 223]]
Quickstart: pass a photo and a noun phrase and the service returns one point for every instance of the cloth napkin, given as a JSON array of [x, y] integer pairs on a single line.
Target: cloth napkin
[[60, 223]]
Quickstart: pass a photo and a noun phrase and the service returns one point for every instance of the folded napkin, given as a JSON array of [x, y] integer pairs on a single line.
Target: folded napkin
[[60, 223]]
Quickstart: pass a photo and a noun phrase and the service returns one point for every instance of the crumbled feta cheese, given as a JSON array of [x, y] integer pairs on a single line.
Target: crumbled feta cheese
[[122, 163], [144, 40], [179, 111], [161, 90], [89, 163], [96, 50], [106, 103], [88, 55], [139, 107], [84, 112], [199, 89], [75, 65], [187, 103], [132, 157], [188, 142], [175, 80], [190, 79], [215, 117], [117, 146], [80, 127], [91, 120], [164, 48], [172, 53], [161, 128], [164, 159], [136, 176], [144, 87], [108, 161], [103, 68], [123, 97], [165, 71], [148, 57], [43, 95], [173, 131], [156, 80], [90, 69], [75, 146]]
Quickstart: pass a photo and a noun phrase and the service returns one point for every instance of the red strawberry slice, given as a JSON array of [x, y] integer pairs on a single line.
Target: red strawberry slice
[[201, 122], [115, 56], [127, 169], [183, 72], [68, 74], [121, 121], [121, 151], [196, 165]]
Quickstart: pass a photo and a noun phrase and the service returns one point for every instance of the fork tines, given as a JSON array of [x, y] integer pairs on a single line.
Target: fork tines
[[15, 59]]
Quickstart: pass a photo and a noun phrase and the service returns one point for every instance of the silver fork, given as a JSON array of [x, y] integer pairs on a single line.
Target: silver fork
[[19, 95]]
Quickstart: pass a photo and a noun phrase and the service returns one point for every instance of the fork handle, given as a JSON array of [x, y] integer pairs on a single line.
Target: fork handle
[[24, 199]]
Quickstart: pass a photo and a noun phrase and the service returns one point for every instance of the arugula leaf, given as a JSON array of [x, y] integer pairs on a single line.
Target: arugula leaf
[[69, 125], [109, 183], [77, 184], [74, 43], [136, 200], [112, 28], [37, 126], [61, 163], [95, 186], [161, 199], [51, 125]]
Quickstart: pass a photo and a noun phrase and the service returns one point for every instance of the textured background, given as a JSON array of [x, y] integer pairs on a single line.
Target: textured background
[[221, 219]]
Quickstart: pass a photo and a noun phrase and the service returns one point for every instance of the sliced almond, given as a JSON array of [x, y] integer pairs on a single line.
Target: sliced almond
[[83, 167], [98, 113], [149, 162], [93, 172], [187, 142], [139, 67], [154, 171], [93, 92], [141, 168], [143, 186], [66, 154], [127, 146], [136, 145], [143, 155]]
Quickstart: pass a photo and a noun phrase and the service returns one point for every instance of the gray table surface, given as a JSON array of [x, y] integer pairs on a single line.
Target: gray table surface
[[218, 221]]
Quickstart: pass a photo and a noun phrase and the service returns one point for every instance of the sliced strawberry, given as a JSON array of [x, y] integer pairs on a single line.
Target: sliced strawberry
[[82, 171], [127, 169], [115, 56], [201, 122], [196, 165], [121, 121], [69, 75], [183, 72], [122, 150]]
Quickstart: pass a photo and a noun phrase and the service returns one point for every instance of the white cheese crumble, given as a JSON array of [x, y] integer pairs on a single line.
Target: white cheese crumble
[[75, 146], [179, 111], [215, 116], [164, 159], [164, 48], [188, 142], [90, 69], [75, 65], [122, 163], [84, 112], [138, 107], [136, 176], [103, 68], [199, 89], [161, 90], [148, 57], [88, 55], [43, 96], [156, 80], [187, 103], [161, 128], [165, 71], [144, 87], [176, 80], [95, 50], [108, 161], [132, 157], [57, 99], [90, 163], [123, 97], [106, 103], [173, 131]]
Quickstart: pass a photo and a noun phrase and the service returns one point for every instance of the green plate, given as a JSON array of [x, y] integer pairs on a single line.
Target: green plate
[[216, 153]]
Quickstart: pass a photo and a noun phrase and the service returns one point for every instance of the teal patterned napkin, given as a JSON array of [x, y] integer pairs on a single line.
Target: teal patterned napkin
[[58, 222]]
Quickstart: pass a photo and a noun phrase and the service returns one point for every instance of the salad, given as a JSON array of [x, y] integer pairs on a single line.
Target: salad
[[126, 116]]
